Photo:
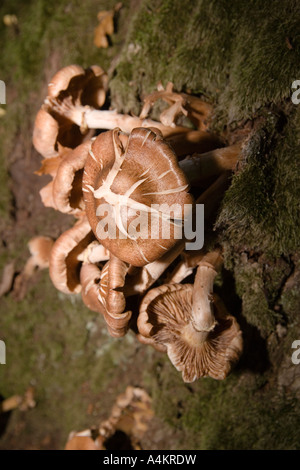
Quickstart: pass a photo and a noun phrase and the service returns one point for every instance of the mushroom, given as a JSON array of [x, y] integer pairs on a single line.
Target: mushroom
[[45, 134], [191, 324], [129, 175], [79, 86], [181, 104], [23, 403], [74, 248], [73, 103], [189, 260], [131, 414], [90, 278], [85, 115], [66, 77], [102, 292], [64, 191], [40, 248], [70, 86], [64, 265], [67, 183]]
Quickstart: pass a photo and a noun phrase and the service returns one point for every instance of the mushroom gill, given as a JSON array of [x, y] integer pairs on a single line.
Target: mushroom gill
[[165, 322]]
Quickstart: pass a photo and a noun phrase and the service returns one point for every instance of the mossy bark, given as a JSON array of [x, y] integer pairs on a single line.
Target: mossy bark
[[242, 58]]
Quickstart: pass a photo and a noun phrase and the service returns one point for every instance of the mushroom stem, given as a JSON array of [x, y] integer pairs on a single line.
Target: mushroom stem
[[87, 117], [203, 319], [198, 167], [183, 140], [144, 278], [148, 274]]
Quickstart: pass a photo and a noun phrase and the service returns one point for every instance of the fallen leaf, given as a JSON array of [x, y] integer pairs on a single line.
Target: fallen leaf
[[130, 414], [10, 20], [105, 27]]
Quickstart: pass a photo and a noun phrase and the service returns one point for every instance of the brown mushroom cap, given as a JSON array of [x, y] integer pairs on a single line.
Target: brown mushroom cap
[[113, 297], [40, 251], [84, 86], [67, 183], [131, 175], [72, 85], [165, 322], [52, 133], [45, 132], [90, 278], [62, 79], [102, 292], [64, 266], [94, 92], [40, 248]]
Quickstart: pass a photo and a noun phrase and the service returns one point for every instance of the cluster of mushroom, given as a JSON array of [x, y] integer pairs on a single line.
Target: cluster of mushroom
[[136, 165]]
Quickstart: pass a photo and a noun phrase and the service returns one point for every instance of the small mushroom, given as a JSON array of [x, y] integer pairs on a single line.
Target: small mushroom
[[23, 403], [45, 134], [64, 191], [139, 280], [181, 104], [103, 292], [185, 267], [129, 175], [40, 249], [67, 77], [85, 115], [67, 183], [70, 86], [90, 278], [65, 263], [79, 86], [191, 324]]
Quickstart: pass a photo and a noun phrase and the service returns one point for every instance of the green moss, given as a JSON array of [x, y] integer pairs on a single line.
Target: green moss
[[239, 413], [260, 209], [241, 57], [231, 53], [60, 348]]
